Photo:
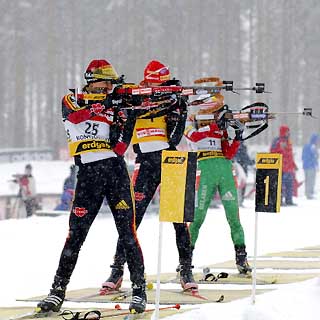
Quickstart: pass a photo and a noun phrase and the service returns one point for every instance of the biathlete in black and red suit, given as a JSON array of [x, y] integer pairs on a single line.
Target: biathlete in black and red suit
[[92, 134]]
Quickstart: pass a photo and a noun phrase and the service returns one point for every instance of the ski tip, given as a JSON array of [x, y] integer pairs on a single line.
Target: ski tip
[[149, 285], [102, 292]]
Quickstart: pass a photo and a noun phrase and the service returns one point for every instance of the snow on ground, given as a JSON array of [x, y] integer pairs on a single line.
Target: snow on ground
[[30, 250]]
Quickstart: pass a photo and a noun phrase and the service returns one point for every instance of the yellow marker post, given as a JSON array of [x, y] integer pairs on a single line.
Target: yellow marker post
[[177, 198], [177, 192], [268, 182], [268, 196]]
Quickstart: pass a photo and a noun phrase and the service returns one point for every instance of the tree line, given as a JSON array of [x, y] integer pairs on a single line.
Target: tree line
[[46, 46]]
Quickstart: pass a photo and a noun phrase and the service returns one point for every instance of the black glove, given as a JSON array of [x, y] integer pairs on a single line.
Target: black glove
[[238, 128], [239, 133], [132, 100], [182, 106], [172, 82], [222, 122], [113, 100], [174, 116]]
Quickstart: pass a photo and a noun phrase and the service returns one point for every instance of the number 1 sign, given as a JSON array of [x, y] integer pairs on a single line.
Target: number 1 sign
[[268, 196], [268, 182]]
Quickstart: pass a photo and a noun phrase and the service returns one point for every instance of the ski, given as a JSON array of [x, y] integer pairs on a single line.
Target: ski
[[128, 315], [98, 314], [121, 296], [102, 292], [194, 293], [210, 277], [34, 315], [106, 291]]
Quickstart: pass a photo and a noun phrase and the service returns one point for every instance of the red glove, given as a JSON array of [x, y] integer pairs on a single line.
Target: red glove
[[120, 148], [97, 108]]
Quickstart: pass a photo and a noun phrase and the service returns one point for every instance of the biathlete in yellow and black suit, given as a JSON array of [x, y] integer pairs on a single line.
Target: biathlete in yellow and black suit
[[92, 132], [153, 132]]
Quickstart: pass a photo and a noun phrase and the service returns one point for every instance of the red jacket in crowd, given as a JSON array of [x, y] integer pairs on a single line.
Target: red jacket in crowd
[[283, 145]]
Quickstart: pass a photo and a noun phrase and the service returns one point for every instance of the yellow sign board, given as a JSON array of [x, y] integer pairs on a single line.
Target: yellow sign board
[[268, 182], [177, 191]]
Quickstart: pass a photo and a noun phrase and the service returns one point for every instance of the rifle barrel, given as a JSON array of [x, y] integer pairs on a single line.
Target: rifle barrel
[[285, 112]]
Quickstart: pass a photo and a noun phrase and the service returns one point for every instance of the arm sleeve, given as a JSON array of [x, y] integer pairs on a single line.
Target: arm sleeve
[[195, 135], [176, 122], [229, 150], [128, 127], [72, 112], [121, 129]]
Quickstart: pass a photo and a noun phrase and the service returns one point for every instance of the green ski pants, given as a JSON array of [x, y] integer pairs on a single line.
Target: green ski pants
[[216, 173]]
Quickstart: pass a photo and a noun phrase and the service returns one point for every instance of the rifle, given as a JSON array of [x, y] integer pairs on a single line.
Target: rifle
[[134, 90], [145, 98], [254, 117], [131, 89]]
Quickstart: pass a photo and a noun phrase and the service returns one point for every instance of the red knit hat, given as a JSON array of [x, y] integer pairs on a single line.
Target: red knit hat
[[156, 72], [100, 70]]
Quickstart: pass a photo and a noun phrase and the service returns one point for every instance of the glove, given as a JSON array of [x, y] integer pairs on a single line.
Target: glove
[[120, 148], [133, 100], [222, 121], [172, 82], [96, 108], [183, 106], [239, 133], [174, 116]]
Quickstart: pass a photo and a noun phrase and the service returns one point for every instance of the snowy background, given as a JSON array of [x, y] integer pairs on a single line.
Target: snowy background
[[270, 41], [30, 250]]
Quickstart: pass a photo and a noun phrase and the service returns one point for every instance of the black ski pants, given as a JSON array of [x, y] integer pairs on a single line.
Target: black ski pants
[[105, 178], [147, 182]]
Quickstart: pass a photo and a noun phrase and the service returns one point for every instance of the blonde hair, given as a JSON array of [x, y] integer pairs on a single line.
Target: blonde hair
[[211, 106]]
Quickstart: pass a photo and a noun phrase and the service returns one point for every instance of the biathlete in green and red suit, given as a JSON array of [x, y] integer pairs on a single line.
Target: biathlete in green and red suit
[[214, 161]]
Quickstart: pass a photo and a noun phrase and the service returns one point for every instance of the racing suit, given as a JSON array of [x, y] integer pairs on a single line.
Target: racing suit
[[214, 154]]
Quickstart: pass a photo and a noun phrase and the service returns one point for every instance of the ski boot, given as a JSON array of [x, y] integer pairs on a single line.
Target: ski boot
[[241, 260], [139, 299], [186, 277], [54, 300], [113, 283]]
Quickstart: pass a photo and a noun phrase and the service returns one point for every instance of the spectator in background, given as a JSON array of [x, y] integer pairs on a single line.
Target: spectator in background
[[240, 178], [283, 145], [27, 189], [68, 190], [243, 159], [310, 158], [70, 181]]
